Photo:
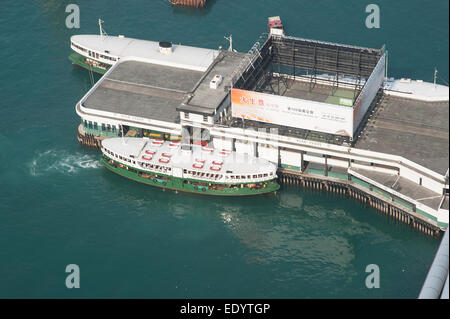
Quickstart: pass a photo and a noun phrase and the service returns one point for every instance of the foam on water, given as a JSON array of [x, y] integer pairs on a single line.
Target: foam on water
[[61, 161]]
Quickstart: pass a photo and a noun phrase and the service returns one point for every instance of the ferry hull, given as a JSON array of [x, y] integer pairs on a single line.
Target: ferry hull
[[185, 185], [80, 60]]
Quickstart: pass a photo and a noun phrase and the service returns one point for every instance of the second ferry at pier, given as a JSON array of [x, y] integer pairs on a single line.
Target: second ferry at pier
[[189, 168], [97, 53]]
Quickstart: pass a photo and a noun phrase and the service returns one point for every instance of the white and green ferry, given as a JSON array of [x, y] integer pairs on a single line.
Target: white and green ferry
[[189, 168], [97, 53]]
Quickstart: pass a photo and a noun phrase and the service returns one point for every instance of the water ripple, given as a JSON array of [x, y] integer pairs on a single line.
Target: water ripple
[[61, 161]]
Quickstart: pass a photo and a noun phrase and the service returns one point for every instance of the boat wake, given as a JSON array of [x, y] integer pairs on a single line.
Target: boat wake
[[62, 162]]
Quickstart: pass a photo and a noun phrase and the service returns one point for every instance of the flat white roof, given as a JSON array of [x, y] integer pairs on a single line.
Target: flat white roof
[[417, 90], [183, 56]]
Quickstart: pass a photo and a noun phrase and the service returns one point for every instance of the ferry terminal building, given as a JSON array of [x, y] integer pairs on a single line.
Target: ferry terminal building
[[314, 108]]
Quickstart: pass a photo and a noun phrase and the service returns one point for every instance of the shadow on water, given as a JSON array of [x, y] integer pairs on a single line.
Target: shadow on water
[[184, 10]]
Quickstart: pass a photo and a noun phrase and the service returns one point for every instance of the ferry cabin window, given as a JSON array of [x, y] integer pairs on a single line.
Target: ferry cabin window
[[95, 126], [103, 127], [186, 115], [255, 176], [205, 118], [78, 47], [90, 124], [109, 128]]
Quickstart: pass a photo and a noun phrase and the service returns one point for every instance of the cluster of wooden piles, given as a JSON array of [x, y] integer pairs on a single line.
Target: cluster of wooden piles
[[189, 3]]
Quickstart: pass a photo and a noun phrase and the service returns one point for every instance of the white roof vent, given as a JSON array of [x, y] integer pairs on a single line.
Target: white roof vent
[[215, 82], [165, 47], [275, 31]]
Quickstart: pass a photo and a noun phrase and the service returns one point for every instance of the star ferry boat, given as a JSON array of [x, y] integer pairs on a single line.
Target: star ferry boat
[[189, 168]]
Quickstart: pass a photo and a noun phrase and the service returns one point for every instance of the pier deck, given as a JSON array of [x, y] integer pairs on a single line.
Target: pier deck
[[404, 187], [445, 203], [416, 130]]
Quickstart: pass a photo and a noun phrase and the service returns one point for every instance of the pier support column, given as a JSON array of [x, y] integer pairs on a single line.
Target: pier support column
[[279, 156], [302, 162]]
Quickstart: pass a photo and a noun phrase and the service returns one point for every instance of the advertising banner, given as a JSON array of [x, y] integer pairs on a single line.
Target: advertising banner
[[303, 114]]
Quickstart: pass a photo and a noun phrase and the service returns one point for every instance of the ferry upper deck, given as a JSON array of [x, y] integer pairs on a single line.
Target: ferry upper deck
[[195, 161], [113, 48]]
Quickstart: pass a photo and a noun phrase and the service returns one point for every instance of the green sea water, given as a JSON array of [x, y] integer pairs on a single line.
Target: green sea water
[[58, 206]]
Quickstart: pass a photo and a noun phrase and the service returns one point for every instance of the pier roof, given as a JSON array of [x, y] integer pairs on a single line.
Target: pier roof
[[203, 99], [154, 91], [143, 89], [416, 130]]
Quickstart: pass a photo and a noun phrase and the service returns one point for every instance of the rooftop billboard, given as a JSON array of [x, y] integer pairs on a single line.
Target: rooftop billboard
[[287, 111]]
